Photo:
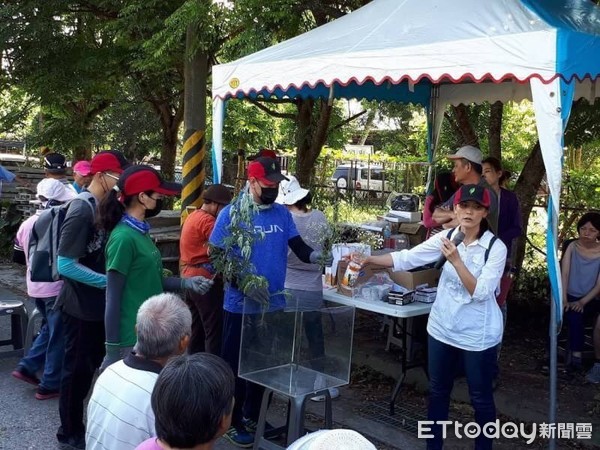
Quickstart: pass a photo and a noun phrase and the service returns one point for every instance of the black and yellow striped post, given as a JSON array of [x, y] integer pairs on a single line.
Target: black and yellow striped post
[[193, 171], [194, 119]]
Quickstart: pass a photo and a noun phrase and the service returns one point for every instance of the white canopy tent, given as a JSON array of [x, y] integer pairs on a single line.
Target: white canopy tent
[[435, 53]]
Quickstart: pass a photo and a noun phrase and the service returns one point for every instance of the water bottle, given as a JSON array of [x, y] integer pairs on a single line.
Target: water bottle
[[387, 235]]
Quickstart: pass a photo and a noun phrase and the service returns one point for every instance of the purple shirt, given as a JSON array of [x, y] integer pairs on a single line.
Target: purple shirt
[[509, 218]]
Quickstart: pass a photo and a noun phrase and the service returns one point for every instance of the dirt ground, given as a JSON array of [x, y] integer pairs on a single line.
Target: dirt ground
[[522, 395]]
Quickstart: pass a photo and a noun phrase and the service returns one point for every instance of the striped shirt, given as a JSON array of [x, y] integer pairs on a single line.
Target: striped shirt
[[119, 413], [312, 227]]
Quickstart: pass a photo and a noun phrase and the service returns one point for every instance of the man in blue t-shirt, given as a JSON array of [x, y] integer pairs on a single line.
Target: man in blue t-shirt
[[269, 258]]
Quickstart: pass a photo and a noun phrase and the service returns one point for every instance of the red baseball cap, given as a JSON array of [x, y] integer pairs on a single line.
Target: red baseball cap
[[108, 161], [267, 170], [141, 178], [473, 192], [266, 152]]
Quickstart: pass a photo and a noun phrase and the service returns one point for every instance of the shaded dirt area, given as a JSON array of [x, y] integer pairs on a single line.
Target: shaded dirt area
[[521, 397]]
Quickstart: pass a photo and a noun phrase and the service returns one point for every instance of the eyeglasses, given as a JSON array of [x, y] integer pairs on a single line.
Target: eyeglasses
[[110, 176]]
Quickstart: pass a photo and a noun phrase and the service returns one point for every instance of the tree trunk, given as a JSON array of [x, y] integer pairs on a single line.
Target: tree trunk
[[495, 130], [169, 123], [82, 151], [169, 152], [311, 143], [303, 139], [526, 190], [368, 126], [467, 134]]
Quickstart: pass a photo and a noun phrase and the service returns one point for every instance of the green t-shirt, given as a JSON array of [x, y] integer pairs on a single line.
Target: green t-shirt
[[134, 255]]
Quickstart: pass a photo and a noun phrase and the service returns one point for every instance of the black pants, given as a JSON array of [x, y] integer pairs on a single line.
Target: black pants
[[248, 396], [207, 319], [313, 329], [84, 351]]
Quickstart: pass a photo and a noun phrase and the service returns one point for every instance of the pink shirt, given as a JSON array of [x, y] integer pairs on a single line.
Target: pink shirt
[[35, 289], [149, 444]]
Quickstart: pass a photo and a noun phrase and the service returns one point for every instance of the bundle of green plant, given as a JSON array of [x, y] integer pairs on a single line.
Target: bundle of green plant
[[327, 235], [233, 259]]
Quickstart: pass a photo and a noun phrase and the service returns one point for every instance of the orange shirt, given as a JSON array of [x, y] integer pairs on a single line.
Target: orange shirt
[[193, 245]]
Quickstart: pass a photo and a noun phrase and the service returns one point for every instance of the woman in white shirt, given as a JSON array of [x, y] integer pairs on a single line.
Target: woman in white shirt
[[465, 323]]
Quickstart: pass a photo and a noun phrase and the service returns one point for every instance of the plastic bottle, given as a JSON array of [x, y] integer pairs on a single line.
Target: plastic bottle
[[387, 234]]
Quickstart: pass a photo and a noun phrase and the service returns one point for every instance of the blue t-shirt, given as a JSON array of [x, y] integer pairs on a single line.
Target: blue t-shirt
[[269, 254]]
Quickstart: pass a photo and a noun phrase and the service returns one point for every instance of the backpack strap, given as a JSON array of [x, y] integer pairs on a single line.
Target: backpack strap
[[88, 199], [487, 252]]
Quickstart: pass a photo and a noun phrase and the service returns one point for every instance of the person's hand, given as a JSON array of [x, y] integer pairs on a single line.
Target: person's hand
[[259, 293], [197, 284], [450, 251], [113, 354], [321, 258], [577, 306]]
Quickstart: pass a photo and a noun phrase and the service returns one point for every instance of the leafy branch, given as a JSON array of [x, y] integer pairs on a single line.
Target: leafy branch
[[233, 258]]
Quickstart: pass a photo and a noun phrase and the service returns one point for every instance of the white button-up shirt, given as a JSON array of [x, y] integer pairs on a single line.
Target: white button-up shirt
[[457, 318]]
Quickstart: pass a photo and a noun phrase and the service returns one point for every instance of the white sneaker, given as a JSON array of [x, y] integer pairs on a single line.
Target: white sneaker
[[333, 392]]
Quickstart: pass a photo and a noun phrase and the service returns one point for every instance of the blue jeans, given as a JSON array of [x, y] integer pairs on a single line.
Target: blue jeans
[[577, 322], [48, 348], [248, 396], [479, 368], [310, 303]]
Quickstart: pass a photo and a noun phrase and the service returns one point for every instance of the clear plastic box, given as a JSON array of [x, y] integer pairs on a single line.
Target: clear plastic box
[[297, 351]]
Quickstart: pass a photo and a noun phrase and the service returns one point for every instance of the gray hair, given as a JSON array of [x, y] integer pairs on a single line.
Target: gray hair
[[162, 321]]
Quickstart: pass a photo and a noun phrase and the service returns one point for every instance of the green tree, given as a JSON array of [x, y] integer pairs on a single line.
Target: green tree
[[63, 58], [256, 24]]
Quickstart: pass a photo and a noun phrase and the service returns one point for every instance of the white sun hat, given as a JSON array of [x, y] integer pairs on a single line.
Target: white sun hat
[[339, 439], [53, 189], [290, 191]]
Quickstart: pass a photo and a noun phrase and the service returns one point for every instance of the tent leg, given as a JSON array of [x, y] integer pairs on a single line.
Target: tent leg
[[553, 372]]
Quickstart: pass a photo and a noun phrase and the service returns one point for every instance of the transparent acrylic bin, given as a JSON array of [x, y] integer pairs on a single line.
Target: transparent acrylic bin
[[284, 350]]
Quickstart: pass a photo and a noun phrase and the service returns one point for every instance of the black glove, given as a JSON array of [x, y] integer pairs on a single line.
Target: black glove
[[113, 354], [259, 294], [323, 259]]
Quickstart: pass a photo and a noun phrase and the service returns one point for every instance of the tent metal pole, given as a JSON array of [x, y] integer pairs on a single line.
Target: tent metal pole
[[553, 340], [553, 371]]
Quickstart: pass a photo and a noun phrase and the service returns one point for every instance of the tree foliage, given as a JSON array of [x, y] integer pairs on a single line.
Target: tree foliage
[[64, 59]]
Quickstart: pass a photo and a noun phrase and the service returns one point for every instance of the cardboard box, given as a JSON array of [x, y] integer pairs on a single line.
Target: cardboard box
[[363, 276], [415, 277], [407, 216], [416, 232], [396, 220]]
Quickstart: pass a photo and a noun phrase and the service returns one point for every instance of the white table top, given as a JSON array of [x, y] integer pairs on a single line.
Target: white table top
[[404, 311]]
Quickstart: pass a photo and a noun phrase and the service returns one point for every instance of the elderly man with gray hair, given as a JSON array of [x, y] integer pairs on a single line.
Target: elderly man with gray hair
[[119, 412]]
